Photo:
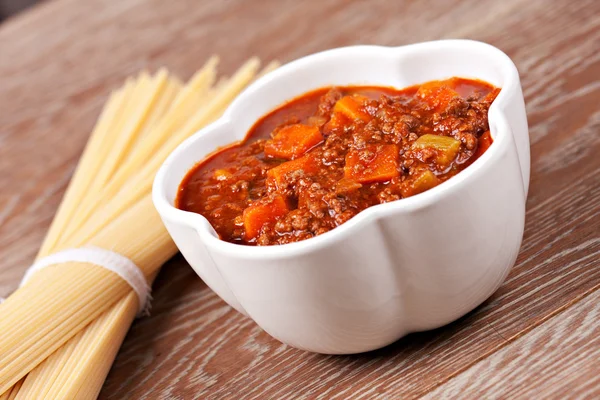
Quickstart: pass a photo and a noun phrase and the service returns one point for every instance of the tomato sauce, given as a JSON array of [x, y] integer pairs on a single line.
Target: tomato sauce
[[318, 160]]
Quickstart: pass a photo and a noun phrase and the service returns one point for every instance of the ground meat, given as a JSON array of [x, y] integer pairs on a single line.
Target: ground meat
[[328, 101], [312, 197]]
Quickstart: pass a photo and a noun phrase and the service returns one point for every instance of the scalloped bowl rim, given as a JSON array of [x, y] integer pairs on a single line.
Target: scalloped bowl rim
[[499, 130]]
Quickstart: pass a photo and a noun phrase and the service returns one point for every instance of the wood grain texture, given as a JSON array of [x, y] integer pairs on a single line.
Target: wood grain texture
[[558, 359], [59, 61]]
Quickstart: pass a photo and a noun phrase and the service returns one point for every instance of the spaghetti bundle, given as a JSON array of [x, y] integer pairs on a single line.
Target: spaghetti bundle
[[61, 330]]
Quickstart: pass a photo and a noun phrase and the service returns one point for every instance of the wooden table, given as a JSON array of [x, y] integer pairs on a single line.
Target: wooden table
[[537, 337]]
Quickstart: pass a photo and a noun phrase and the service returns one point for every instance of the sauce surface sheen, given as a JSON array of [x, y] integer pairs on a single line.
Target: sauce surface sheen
[[318, 160]]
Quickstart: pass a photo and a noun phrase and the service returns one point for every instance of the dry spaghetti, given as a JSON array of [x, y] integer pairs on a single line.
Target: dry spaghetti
[[62, 329]]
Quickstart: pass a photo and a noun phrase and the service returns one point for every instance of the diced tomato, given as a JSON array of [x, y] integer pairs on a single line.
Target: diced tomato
[[307, 164], [351, 107], [292, 141], [376, 163], [263, 213], [437, 94]]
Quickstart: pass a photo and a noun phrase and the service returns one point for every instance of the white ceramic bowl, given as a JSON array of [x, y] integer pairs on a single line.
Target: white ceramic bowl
[[395, 268]]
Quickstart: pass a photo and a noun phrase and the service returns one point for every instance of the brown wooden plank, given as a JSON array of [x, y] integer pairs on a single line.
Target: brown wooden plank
[[559, 359], [59, 61]]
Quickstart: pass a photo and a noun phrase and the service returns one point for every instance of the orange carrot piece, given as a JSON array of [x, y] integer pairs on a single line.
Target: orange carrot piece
[[350, 106], [380, 166], [292, 141], [336, 122], [437, 94], [260, 214], [278, 173]]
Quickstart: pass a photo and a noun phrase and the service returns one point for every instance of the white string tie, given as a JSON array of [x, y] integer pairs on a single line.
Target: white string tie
[[107, 259]]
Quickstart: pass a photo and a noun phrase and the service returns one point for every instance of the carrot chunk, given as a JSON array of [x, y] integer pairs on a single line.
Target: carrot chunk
[[350, 106], [277, 174], [336, 122], [423, 181], [437, 94], [292, 141], [376, 163], [263, 213]]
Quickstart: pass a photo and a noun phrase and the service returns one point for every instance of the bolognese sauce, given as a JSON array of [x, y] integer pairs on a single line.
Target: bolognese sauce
[[320, 159]]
